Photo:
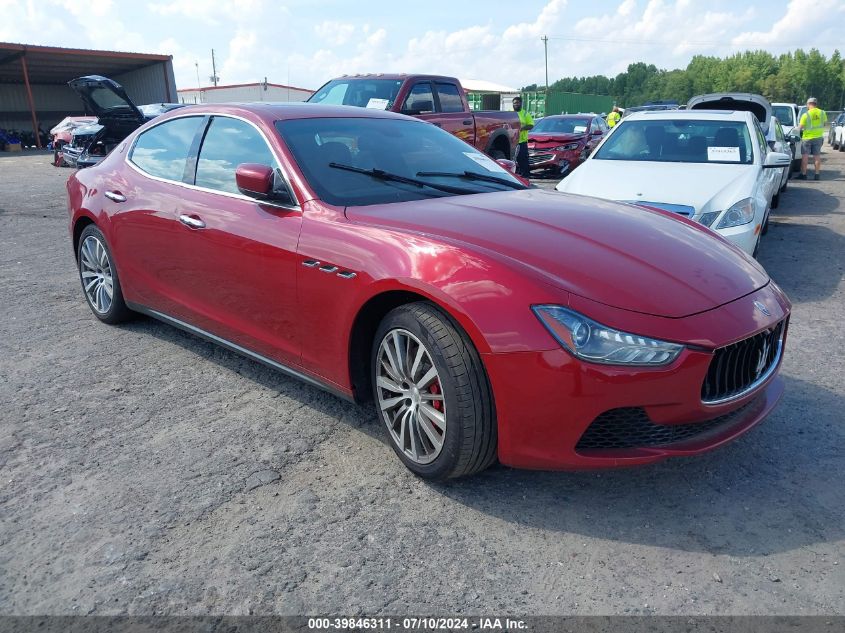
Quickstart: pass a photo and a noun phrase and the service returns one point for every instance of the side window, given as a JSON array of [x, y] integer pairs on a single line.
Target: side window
[[761, 141], [450, 98], [779, 133], [227, 144], [163, 151], [419, 100]]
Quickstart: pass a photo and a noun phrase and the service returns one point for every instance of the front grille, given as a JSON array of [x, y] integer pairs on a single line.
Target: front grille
[[738, 368], [533, 159], [631, 428]]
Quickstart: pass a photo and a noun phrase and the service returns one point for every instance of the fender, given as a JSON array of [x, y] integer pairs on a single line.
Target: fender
[[494, 137]]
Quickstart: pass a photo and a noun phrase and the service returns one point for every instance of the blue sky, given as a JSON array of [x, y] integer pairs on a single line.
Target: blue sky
[[305, 43]]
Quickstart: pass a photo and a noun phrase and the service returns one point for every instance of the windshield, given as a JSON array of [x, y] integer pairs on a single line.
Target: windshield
[[408, 149], [555, 125], [784, 114], [364, 93], [679, 141]]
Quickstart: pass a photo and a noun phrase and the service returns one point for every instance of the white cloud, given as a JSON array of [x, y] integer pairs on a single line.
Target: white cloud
[[804, 21], [334, 32]]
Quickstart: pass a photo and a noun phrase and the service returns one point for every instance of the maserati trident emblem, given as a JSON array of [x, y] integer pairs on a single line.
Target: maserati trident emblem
[[761, 362], [762, 308]]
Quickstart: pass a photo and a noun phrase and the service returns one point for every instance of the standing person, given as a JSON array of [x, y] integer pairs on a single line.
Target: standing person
[[523, 168], [613, 117], [812, 134]]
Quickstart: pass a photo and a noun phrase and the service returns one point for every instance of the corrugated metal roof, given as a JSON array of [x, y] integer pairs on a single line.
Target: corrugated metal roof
[[57, 65]]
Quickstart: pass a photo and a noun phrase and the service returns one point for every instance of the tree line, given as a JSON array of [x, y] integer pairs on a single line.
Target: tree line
[[790, 77]]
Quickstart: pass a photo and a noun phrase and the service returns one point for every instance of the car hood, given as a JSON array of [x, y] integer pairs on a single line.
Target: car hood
[[623, 256], [758, 105], [545, 138], [105, 98], [696, 185]]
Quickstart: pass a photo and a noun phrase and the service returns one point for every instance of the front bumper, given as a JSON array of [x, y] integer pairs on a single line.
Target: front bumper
[[744, 236], [546, 401], [546, 160]]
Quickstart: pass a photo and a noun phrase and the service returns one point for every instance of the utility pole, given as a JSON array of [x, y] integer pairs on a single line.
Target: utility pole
[[545, 39], [214, 78]]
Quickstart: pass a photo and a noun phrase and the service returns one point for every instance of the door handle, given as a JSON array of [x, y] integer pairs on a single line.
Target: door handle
[[191, 221], [116, 196], [468, 122]]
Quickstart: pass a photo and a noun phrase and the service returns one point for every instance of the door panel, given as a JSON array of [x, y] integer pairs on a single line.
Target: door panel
[[238, 271], [144, 225], [235, 258]]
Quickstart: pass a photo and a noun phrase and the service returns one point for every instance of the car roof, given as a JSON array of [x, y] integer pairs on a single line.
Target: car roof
[[283, 111], [703, 115]]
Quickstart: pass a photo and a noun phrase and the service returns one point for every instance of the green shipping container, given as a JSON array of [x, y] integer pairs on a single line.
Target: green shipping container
[[564, 103]]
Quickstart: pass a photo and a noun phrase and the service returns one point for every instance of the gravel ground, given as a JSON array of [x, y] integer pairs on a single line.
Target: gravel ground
[[144, 471]]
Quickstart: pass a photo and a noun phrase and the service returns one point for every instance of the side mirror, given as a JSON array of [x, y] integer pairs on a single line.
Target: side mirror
[[795, 137], [777, 159], [259, 182]]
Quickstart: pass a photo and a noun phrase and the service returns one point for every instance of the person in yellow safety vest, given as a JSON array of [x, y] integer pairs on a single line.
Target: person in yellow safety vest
[[523, 168], [812, 135], [613, 117]]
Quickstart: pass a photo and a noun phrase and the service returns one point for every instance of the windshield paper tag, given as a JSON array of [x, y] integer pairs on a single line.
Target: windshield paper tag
[[485, 161], [378, 104], [728, 154]]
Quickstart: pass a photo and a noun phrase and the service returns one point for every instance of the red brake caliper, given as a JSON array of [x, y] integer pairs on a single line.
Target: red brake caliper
[[435, 389]]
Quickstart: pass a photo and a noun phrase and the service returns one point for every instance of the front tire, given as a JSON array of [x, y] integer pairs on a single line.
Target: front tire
[[98, 276], [432, 393]]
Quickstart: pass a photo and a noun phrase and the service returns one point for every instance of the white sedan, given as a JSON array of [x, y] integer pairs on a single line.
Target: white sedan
[[713, 167]]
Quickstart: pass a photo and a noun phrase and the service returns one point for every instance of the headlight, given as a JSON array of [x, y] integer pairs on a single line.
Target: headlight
[[708, 218], [565, 148], [740, 213], [596, 343]]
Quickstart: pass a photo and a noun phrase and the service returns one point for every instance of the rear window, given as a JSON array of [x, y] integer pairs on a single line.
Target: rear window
[[364, 93], [784, 114], [679, 141]]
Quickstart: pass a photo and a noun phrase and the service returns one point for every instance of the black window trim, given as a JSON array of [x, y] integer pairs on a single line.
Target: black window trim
[[193, 158]]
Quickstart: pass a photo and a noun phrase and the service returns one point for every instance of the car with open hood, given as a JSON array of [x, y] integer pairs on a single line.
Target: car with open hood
[[713, 167], [117, 117], [383, 259], [62, 133]]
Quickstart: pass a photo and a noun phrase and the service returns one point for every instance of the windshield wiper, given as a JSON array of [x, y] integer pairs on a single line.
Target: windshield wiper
[[386, 175], [472, 175]]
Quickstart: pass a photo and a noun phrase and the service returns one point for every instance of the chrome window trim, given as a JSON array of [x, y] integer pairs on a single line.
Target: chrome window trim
[[754, 385], [237, 196]]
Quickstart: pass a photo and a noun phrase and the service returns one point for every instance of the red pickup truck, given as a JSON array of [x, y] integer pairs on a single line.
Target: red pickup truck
[[434, 98]]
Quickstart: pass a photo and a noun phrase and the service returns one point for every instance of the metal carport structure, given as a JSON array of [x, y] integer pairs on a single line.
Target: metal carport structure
[[33, 80]]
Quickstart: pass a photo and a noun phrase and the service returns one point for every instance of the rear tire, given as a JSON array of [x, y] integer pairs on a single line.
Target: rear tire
[[432, 393], [98, 276], [498, 154]]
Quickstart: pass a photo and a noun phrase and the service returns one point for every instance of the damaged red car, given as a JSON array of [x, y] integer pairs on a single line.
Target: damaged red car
[[382, 259], [559, 143]]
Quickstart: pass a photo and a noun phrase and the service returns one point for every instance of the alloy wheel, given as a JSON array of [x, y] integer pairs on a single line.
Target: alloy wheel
[[96, 272], [410, 396]]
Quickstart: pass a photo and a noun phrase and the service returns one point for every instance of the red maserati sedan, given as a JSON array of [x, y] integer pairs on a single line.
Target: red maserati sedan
[[382, 259]]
